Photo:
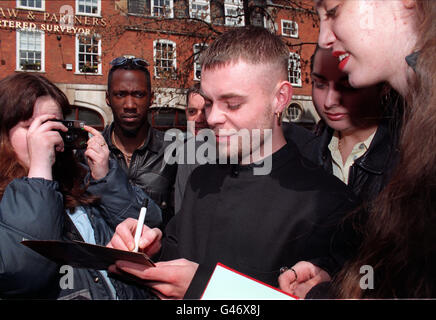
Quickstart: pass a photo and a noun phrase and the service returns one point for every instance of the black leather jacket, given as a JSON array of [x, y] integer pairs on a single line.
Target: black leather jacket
[[369, 173], [148, 169]]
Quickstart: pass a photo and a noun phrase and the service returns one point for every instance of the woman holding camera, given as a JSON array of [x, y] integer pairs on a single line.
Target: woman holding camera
[[46, 194]]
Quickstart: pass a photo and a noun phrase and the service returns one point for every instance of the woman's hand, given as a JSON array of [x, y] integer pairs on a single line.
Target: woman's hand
[[97, 154], [43, 140], [302, 277]]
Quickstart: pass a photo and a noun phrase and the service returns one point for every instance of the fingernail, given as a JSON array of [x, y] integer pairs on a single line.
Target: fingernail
[[142, 243]]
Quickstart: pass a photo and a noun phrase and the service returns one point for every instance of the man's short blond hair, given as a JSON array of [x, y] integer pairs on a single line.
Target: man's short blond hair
[[255, 45]]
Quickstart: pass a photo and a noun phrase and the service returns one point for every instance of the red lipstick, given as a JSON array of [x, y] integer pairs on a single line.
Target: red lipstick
[[343, 58]]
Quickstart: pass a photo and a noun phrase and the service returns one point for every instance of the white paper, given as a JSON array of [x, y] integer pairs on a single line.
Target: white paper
[[228, 284]]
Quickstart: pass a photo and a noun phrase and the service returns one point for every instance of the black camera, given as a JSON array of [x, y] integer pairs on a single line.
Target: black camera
[[76, 137]]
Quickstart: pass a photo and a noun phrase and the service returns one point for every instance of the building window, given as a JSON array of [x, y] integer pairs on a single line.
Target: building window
[[294, 70], [30, 50], [234, 13], [162, 8], [164, 59], [91, 117], [88, 7], [198, 48], [167, 118], [31, 4], [199, 9], [88, 52], [289, 28], [258, 19], [138, 6], [294, 112]]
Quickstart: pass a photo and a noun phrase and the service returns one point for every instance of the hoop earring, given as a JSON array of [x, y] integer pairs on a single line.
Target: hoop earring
[[279, 118]]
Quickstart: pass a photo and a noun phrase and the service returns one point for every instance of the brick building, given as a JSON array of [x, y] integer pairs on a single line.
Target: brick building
[[72, 42]]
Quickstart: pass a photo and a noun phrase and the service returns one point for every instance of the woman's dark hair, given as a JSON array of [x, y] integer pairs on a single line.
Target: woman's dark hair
[[400, 235], [18, 94]]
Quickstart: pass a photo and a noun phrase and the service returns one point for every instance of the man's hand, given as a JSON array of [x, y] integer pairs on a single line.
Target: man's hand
[[123, 238], [308, 275], [169, 279], [97, 153]]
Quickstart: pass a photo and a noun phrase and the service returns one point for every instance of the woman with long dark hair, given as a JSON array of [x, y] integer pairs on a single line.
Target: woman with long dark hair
[[393, 41], [46, 194]]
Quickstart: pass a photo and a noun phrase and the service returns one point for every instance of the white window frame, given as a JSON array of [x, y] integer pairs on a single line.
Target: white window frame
[[98, 14], [99, 69], [136, 13], [201, 3], [18, 37], [174, 59], [169, 10], [20, 6], [292, 35], [197, 65], [237, 6], [294, 57]]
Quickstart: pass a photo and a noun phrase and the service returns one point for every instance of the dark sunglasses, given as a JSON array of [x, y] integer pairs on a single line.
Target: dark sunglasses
[[122, 61]]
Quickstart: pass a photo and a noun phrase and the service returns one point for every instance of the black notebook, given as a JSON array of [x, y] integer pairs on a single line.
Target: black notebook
[[84, 255]]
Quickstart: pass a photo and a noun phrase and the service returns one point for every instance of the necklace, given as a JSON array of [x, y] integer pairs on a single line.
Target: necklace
[[127, 156]]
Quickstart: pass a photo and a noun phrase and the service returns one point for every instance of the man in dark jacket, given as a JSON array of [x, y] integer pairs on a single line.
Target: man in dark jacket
[[138, 148], [195, 121], [269, 209]]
